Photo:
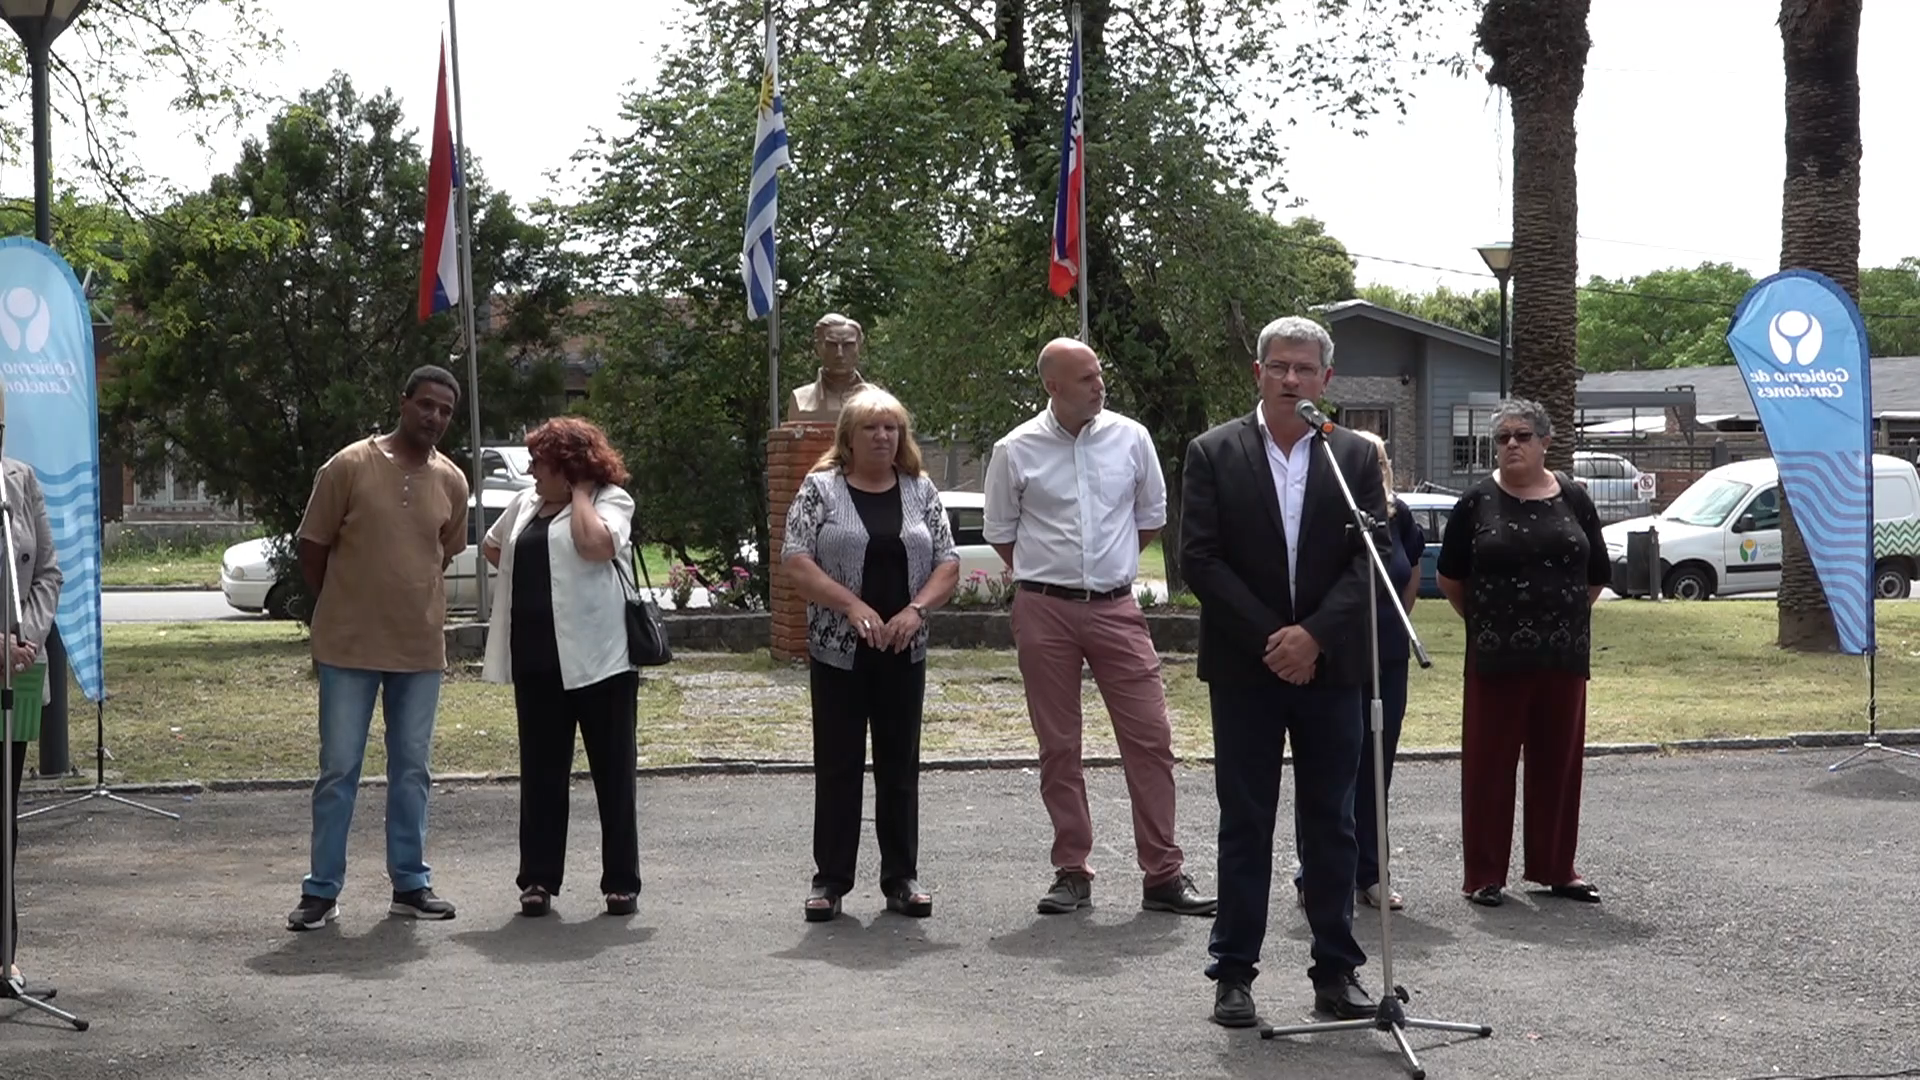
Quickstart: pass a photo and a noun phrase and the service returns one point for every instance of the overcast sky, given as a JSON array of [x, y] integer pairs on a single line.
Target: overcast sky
[[1680, 152]]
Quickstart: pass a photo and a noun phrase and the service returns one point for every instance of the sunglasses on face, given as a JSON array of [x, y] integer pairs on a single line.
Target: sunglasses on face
[[1505, 437]]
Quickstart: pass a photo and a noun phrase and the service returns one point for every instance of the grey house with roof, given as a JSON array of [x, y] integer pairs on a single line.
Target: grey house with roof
[[1428, 390], [1720, 401]]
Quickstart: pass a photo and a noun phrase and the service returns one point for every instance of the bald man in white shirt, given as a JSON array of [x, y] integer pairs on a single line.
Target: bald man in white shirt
[[1072, 497]]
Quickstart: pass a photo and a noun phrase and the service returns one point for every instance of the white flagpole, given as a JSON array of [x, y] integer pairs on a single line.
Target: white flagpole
[[477, 508], [1085, 218]]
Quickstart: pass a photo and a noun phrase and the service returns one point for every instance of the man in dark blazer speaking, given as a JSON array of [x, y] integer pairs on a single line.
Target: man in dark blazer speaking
[[1265, 545]]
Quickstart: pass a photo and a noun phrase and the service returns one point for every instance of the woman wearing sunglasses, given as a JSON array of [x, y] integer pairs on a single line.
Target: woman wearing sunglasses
[[1522, 562]]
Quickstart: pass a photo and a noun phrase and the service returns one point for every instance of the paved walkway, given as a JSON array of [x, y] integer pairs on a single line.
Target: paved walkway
[[1759, 920]]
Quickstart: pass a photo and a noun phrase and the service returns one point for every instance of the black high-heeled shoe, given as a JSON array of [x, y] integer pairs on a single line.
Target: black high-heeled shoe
[[535, 901], [822, 904], [907, 898]]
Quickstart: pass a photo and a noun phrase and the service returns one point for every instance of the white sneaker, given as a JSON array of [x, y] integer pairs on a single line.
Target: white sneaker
[[1370, 896]]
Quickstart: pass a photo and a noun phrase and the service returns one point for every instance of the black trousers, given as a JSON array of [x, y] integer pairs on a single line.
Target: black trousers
[[1251, 725], [886, 692], [547, 714], [14, 774]]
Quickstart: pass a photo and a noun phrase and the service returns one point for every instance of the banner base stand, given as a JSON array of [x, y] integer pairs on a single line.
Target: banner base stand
[[1873, 742], [1872, 745]]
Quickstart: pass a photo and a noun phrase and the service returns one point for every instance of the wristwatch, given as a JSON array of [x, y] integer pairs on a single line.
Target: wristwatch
[[920, 610]]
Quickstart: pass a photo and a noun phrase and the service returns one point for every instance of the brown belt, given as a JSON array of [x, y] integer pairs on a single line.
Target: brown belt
[[1080, 595]]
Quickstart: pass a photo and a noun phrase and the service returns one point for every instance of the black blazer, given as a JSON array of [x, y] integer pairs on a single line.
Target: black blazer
[[1234, 556]]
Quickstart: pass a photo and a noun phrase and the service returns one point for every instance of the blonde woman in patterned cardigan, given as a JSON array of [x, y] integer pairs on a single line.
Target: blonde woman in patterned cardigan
[[868, 546]]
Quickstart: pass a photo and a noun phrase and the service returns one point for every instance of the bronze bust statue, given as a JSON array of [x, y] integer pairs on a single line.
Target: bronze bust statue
[[836, 342]]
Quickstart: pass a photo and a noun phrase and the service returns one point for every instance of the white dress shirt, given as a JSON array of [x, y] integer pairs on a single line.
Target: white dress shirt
[[1289, 469], [1073, 507]]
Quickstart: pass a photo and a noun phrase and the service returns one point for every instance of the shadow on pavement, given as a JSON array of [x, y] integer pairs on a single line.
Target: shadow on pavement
[[884, 943], [554, 939], [1886, 779], [379, 953], [1080, 945], [1534, 917]]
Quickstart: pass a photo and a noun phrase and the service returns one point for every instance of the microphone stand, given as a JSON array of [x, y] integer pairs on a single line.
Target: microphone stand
[[13, 988], [1390, 1016]]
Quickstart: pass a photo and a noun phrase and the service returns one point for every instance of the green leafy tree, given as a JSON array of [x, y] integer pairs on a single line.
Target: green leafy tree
[[1472, 312], [1890, 297], [271, 319], [1668, 318], [119, 50], [925, 159]]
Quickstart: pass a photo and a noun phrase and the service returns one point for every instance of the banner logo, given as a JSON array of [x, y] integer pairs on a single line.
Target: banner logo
[[1795, 337], [28, 321]]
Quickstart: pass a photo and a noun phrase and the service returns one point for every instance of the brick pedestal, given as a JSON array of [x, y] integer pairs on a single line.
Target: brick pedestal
[[792, 449]]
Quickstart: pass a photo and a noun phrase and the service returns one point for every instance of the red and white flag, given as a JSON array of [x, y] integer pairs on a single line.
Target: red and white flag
[[440, 255], [1068, 207]]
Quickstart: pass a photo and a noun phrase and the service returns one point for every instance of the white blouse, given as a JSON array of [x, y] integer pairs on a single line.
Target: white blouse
[[589, 595]]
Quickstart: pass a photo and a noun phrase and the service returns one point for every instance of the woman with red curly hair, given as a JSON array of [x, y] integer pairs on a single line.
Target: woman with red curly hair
[[558, 634]]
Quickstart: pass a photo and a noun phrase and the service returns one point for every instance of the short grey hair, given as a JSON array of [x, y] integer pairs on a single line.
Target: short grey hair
[[1532, 413], [1295, 330]]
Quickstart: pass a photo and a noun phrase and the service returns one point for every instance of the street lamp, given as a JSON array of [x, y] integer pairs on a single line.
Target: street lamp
[[1499, 259], [38, 22]]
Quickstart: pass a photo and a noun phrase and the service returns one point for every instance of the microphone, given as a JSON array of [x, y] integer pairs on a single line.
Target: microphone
[[1314, 418]]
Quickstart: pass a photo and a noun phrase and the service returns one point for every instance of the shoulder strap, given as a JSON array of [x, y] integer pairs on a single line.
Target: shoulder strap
[[1576, 493]]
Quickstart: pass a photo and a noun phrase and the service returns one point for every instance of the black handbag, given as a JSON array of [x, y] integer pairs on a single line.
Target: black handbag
[[647, 644]]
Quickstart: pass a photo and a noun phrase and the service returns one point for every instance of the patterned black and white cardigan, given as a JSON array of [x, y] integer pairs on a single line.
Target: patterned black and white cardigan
[[824, 524]]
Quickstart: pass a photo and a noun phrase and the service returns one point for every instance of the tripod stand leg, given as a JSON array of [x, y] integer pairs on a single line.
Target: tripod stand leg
[[13, 990], [1481, 1030], [1414, 1068], [124, 801]]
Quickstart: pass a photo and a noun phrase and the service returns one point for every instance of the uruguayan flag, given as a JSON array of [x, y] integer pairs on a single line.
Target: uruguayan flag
[[763, 193], [53, 424]]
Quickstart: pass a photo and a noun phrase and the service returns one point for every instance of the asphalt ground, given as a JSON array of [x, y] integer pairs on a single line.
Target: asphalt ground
[[1758, 922]]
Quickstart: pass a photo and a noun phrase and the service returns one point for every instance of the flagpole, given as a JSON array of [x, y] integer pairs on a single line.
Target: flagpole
[[1085, 218], [773, 361], [477, 507]]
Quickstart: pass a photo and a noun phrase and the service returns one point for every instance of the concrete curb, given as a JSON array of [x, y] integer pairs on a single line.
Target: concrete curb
[[159, 588], [1811, 740]]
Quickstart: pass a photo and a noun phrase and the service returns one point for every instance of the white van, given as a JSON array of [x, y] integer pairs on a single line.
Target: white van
[[1722, 535]]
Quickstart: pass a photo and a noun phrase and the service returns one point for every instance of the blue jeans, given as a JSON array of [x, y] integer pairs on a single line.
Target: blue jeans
[[410, 700]]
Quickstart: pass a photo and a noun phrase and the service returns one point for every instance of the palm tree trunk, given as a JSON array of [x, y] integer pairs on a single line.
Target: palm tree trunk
[[1539, 54], [1819, 230]]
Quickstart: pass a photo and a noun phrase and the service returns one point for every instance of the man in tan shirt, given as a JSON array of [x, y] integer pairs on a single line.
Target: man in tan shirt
[[387, 515]]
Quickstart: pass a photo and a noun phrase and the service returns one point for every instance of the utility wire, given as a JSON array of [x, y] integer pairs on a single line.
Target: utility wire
[[1605, 290]]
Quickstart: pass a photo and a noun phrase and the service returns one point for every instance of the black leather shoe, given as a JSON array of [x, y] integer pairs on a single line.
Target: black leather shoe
[[1178, 896], [1233, 1004], [1345, 1000]]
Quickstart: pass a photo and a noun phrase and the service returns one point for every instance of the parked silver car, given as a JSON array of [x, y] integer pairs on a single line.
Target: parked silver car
[[1616, 486]]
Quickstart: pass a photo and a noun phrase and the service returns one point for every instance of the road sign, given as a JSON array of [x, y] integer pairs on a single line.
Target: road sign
[[1644, 484]]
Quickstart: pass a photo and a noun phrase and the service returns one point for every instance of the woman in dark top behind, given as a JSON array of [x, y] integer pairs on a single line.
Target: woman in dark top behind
[[1409, 540], [1523, 561], [867, 544]]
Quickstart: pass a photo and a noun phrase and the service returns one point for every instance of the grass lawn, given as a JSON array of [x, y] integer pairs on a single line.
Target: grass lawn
[[165, 565], [200, 565], [235, 699]]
